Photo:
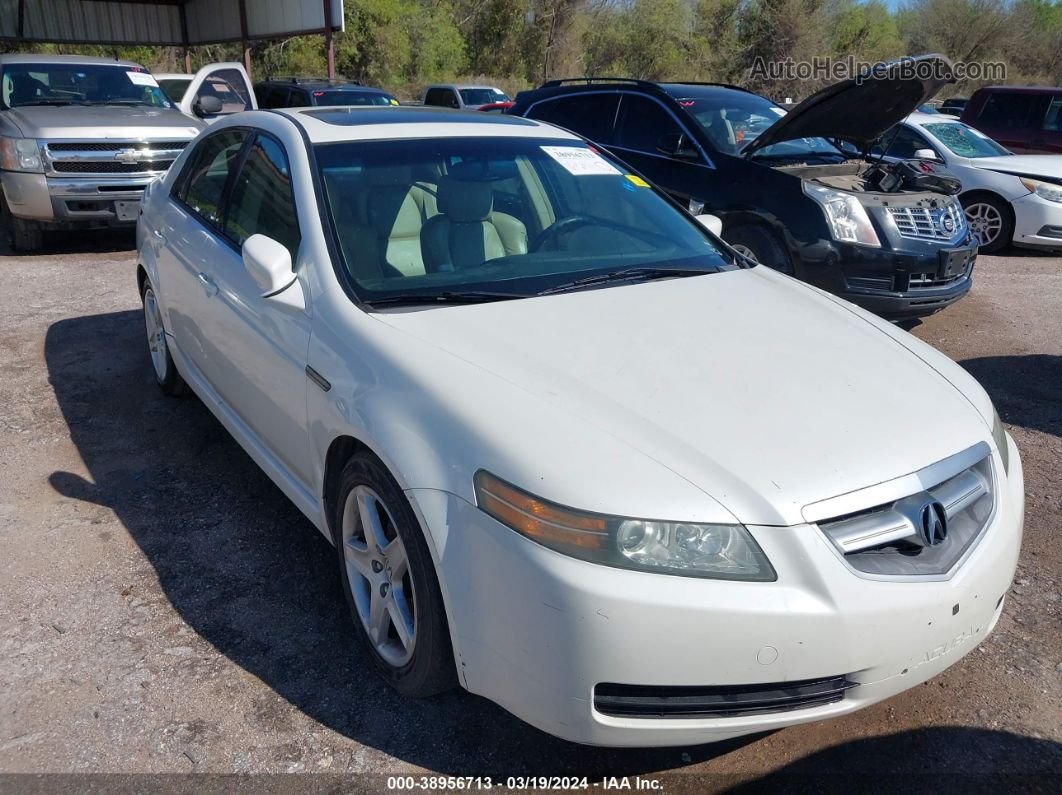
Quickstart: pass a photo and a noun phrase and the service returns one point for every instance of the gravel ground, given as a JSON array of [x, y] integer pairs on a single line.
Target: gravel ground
[[165, 610]]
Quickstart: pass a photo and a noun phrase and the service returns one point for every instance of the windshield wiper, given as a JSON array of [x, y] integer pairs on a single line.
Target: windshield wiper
[[120, 102], [449, 297], [626, 275], [47, 102]]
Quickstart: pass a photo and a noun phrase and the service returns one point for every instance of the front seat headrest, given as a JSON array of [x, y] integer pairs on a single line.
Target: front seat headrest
[[465, 202]]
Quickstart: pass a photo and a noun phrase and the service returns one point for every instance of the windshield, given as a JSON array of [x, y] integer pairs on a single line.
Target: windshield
[[732, 120], [482, 96], [352, 98], [175, 87], [964, 141], [80, 84], [502, 217]]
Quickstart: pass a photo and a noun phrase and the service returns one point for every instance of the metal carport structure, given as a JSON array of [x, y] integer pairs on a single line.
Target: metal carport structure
[[175, 23]]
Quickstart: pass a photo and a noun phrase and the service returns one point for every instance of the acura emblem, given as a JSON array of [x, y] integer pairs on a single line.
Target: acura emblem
[[932, 524]]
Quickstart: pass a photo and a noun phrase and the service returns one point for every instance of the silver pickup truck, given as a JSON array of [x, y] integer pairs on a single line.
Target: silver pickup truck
[[80, 139]]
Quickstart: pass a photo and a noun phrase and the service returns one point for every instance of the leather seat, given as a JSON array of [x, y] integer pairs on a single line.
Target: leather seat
[[467, 232]]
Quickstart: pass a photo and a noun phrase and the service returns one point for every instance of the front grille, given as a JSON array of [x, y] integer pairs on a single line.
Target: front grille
[[891, 539], [108, 167], [727, 701], [113, 146], [929, 223]]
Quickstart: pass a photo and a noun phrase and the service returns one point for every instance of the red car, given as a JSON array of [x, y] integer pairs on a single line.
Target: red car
[[495, 107], [1025, 119]]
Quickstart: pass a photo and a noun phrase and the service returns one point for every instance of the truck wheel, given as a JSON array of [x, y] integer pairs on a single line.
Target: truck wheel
[[760, 245], [22, 235]]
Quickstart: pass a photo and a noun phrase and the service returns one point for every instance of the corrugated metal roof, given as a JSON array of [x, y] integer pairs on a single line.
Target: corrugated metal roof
[[160, 21]]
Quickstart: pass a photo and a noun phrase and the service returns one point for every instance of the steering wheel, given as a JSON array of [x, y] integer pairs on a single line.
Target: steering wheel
[[569, 224]]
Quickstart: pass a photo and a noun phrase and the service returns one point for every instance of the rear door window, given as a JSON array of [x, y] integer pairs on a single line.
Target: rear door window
[[589, 115], [1053, 118], [1004, 111]]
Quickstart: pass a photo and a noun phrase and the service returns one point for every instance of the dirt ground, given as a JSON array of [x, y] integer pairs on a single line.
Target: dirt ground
[[165, 610]]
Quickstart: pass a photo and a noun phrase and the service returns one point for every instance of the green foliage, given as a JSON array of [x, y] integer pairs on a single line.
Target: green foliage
[[403, 44]]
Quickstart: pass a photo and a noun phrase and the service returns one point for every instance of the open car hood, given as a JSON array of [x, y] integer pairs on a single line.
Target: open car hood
[[862, 108]]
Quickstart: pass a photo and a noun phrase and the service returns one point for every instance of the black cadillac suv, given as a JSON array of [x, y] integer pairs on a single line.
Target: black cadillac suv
[[790, 187]]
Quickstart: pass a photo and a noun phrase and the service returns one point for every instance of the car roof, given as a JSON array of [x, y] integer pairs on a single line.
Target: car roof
[[172, 76], [342, 123], [330, 85], [459, 86], [1020, 89], [86, 60], [674, 90]]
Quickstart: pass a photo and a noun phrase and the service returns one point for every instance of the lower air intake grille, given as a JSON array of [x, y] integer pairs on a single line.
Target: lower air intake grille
[[728, 701]]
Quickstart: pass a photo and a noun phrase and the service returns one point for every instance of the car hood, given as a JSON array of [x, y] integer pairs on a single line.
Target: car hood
[[860, 110], [103, 122], [1023, 165], [760, 391]]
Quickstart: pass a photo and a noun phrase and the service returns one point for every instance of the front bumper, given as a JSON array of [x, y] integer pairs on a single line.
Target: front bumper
[[66, 202], [895, 284], [1037, 222], [536, 631]]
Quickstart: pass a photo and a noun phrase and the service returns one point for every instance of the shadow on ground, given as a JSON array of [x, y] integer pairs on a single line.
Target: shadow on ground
[[254, 578], [1027, 390], [248, 573], [942, 759], [82, 241]]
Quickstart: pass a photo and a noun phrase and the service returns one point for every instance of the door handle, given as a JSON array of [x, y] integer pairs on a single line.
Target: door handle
[[209, 287], [159, 236]]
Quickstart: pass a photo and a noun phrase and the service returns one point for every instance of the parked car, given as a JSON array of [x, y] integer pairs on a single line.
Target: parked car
[[80, 138], [787, 195], [463, 96], [574, 453], [496, 107], [953, 106], [1007, 198], [302, 92], [216, 90], [1027, 120]]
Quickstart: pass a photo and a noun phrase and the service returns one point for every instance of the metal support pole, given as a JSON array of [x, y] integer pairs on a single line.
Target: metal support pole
[[330, 47]]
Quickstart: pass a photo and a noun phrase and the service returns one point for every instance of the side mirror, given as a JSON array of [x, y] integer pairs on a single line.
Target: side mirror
[[269, 264], [207, 105], [675, 145], [713, 223], [926, 154]]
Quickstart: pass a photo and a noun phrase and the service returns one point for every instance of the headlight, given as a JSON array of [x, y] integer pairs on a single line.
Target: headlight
[[724, 552], [999, 436], [1045, 190], [848, 219], [20, 154]]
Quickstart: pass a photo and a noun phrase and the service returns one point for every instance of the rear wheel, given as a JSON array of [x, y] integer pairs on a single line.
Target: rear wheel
[[760, 245], [169, 380], [389, 580], [991, 221]]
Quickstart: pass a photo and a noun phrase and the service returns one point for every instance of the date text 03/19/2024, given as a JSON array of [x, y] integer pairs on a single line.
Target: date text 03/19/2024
[[511, 783]]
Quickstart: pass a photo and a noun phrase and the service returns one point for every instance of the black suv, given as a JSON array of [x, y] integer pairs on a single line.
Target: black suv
[[786, 193], [304, 92]]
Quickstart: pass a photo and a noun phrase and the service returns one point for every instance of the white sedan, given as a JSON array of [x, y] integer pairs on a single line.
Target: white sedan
[[1008, 198], [574, 455]]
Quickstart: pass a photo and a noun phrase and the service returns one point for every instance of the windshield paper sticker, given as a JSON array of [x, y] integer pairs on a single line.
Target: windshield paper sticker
[[141, 79], [636, 180], [578, 161]]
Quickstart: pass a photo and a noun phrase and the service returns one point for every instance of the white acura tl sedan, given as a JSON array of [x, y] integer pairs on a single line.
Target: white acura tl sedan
[[574, 455]]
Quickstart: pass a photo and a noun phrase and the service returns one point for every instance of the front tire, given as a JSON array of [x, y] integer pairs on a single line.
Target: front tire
[[760, 245], [991, 221], [166, 375], [23, 236], [389, 580]]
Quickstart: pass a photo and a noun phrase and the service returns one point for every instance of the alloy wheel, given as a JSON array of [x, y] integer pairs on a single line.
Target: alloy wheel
[[985, 222], [156, 334], [377, 570], [744, 251]]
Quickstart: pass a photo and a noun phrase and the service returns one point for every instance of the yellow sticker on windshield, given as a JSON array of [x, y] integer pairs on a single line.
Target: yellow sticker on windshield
[[641, 183]]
